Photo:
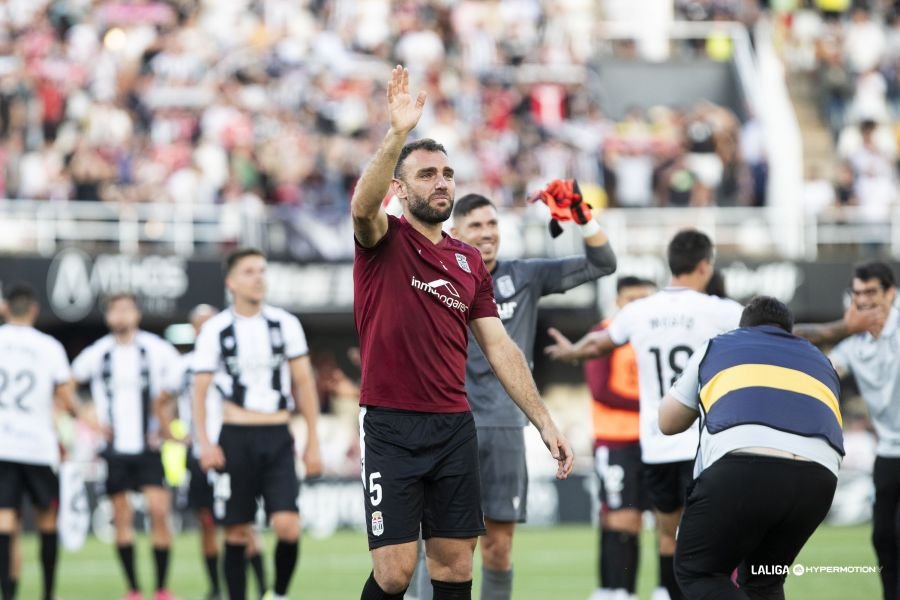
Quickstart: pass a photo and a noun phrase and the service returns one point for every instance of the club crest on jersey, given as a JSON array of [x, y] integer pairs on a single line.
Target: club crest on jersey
[[463, 262], [505, 286], [228, 342], [377, 523]]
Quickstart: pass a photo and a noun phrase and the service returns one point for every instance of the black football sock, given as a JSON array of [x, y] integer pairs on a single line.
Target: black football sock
[[5, 542], [212, 570], [620, 559], [161, 557], [452, 590], [372, 591], [49, 552], [255, 561], [126, 557], [286, 554], [236, 571]]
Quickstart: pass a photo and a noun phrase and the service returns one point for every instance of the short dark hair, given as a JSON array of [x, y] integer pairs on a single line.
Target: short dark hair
[[629, 281], [427, 144], [237, 256], [20, 297], [716, 285], [875, 270], [468, 203], [766, 310], [688, 249], [113, 297]]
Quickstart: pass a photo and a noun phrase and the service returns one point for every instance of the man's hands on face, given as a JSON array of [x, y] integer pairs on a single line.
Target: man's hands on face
[[864, 318]]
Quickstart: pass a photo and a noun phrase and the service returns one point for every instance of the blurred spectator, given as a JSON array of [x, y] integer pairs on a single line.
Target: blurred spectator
[[864, 42], [873, 172], [835, 87], [753, 155], [853, 137], [244, 101], [819, 194], [843, 185]]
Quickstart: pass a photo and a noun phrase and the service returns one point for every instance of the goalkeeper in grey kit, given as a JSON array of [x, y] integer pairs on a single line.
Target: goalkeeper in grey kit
[[518, 286]]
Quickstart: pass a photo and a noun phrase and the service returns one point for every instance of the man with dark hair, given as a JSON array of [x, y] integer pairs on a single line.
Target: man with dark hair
[[875, 270], [518, 287], [257, 358], [716, 285], [35, 380], [200, 492], [769, 408], [128, 370], [872, 358], [687, 249], [417, 291], [425, 144], [765, 310], [613, 383], [664, 329]]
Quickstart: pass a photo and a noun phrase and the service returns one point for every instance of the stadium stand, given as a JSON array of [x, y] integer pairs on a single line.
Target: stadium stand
[[140, 140]]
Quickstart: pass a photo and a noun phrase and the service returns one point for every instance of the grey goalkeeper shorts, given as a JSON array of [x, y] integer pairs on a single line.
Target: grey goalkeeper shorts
[[504, 475]]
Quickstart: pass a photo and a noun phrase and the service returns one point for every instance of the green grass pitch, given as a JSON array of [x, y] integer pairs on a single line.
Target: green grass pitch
[[550, 564]]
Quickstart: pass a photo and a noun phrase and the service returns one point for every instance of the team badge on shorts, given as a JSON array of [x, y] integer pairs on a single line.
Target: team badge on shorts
[[463, 262], [505, 286], [377, 523]]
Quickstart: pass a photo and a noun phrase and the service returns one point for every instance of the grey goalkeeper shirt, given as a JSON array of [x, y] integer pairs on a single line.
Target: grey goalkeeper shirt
[[518, 286]]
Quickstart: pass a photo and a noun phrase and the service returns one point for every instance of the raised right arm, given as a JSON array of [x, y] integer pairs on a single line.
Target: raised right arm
[[370, 222]]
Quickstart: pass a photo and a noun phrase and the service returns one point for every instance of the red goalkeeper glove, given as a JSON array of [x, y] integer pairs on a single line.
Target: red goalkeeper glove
[[566, 203]]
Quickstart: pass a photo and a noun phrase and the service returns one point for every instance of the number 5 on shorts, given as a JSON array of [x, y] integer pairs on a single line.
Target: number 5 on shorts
[[374, 488]]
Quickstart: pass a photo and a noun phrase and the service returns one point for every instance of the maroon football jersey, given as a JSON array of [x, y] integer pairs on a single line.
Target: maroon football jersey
[[413, 300]]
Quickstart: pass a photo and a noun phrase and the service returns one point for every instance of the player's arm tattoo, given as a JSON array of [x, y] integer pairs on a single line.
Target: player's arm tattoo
[[855, 320], [822, 333]]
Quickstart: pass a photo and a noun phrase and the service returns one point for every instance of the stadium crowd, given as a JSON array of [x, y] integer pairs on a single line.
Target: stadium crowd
[[272, 102], [852, 55]]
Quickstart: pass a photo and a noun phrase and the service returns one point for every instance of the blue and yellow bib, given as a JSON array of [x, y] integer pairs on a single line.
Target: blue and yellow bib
[[766, 376]]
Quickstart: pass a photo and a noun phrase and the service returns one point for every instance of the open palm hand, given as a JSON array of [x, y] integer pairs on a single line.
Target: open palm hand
[[404, 110]]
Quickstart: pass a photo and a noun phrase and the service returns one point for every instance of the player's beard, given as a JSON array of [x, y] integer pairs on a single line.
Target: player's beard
[[421, 208]]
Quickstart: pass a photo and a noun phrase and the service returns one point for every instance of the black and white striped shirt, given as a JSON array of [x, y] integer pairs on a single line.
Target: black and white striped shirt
[[249, 357], [124, 380]]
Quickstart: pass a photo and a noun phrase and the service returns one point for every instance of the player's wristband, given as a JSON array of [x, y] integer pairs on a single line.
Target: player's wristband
[[590, 228]]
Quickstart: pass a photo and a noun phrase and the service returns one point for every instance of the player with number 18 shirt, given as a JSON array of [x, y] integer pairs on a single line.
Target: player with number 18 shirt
[[665, 329]]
